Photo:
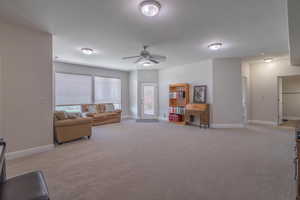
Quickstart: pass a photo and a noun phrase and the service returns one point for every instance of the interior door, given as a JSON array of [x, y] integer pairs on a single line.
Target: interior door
[[280, 100], [245, 99], [149, 101]]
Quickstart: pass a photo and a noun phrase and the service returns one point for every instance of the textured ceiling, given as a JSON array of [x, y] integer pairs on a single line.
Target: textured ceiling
[[182, 31]]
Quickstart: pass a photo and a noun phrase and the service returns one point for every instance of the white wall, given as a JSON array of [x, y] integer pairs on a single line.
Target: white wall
[[294, 30], [133, 87], [97, 71], [195, 74], [246, 93], [291, 97], [27, 78], [264, 91], [1, 99], [227, 92]]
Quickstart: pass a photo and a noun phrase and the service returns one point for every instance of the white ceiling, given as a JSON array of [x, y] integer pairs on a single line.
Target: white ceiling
[[182, 31]]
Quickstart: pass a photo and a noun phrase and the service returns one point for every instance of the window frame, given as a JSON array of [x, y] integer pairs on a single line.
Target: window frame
[[111, 77], [93, 76], [78, 74]]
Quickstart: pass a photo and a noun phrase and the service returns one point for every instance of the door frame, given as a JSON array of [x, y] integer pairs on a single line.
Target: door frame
[[155, 116]]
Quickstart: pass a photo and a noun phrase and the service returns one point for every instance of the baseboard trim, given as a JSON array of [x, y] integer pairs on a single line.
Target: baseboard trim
[[126, 117], [163, 119], [227, 125], [262, 122], [28, 152], [291, 118]]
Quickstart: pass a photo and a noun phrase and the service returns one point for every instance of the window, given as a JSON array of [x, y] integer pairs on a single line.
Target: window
[[108, 90], [70, 109], [73, 89]]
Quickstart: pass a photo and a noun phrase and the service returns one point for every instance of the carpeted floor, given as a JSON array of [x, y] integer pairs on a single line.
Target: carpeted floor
[[161, 161]]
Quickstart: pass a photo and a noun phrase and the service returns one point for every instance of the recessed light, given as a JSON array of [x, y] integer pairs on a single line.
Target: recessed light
[[87, 51], [215, 46], [150, 8], [268, 60]]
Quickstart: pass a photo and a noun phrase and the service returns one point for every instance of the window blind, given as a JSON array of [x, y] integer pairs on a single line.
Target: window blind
[[73, 89], [107, 90]]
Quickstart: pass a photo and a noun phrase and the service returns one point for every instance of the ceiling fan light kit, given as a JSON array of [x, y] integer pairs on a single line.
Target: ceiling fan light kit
[[150, 8], [215, 46], [146, 58]]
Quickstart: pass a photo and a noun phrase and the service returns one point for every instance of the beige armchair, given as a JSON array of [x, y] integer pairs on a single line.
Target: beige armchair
[[67, 129]]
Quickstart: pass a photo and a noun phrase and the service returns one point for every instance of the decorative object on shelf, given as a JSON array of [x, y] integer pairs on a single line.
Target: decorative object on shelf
[[200, 94]]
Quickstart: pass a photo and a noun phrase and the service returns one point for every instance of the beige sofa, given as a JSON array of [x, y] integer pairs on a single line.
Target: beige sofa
[[68, 128], [102, 113]]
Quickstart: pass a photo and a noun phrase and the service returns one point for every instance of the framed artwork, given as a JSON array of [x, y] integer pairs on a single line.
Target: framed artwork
[[200, 94]]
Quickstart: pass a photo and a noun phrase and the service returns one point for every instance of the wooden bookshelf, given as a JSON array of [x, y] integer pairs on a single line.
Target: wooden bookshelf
[[179, 97]]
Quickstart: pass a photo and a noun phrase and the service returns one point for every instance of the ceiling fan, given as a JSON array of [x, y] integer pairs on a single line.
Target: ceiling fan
[[146, 58]]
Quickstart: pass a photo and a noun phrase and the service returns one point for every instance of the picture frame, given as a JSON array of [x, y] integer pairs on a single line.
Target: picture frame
[[199, 95]]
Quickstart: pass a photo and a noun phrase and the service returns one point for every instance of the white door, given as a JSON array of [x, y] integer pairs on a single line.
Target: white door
[[280, 100], [149, 101], [245, 99]]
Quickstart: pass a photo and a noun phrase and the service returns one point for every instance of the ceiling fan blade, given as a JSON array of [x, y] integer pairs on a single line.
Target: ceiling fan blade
[[158, 57], [154, 61], [139, 60], [124, 58]]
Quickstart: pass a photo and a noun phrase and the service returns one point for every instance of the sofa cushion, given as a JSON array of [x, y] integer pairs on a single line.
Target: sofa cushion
[[60, 115], [105, 115], [72, 122]]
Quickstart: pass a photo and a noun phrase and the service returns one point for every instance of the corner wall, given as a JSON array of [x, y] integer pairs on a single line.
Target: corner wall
[[227, 92], [195, 74], [27, 87], [133, 97]]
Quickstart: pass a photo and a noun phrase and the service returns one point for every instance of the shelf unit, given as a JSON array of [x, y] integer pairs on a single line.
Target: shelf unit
[[179, 97]]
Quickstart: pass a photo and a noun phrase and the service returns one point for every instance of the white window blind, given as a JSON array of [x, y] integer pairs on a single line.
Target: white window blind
[[107, 90], [73, 89]]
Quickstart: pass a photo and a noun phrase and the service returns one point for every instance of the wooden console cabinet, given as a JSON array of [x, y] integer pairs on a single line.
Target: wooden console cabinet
[[200, 110]]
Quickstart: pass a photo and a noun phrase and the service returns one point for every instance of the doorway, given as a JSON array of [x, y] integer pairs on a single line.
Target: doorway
[[289, 100], [149, 101]]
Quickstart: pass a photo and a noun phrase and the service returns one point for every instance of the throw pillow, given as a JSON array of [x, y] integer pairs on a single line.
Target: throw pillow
[[109, 107], [92, 109], [61, 115], [73, 115]]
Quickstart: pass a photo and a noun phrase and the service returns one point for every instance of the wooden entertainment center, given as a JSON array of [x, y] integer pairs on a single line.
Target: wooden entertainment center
[[180, 108]]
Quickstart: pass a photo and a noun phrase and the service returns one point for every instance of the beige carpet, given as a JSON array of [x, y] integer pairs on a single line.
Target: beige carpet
[[161, 161]]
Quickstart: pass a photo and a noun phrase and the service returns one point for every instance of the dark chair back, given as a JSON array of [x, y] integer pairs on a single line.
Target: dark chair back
[[2, 161]]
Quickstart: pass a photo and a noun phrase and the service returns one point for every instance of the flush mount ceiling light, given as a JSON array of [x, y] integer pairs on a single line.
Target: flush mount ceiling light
[[215, 46], [268, 60], [150, 8], [87, 51]]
